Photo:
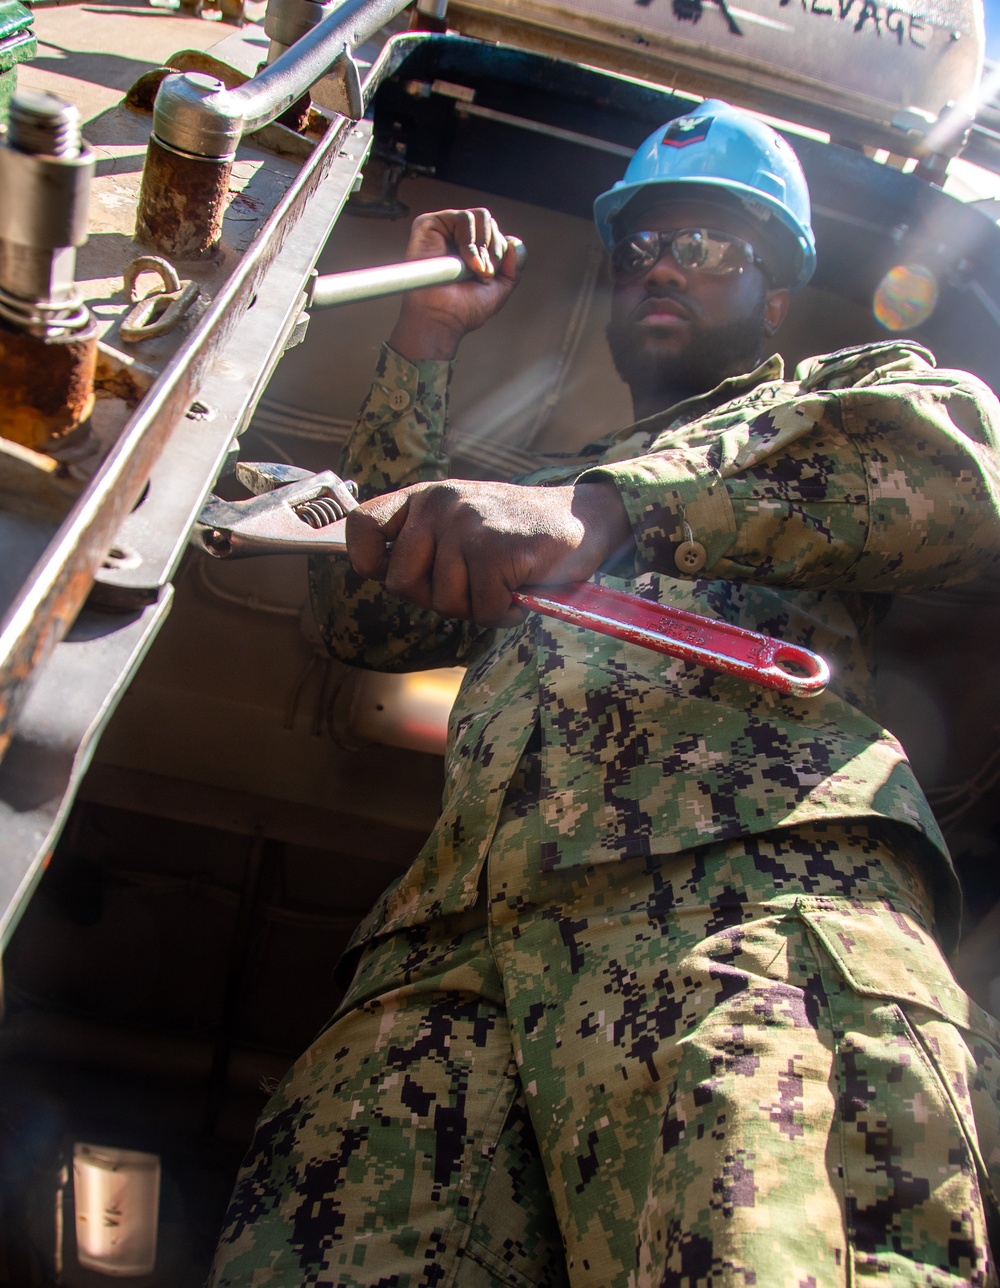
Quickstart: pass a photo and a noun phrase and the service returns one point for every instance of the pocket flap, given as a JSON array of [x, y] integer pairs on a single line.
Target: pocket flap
[[883, 952]]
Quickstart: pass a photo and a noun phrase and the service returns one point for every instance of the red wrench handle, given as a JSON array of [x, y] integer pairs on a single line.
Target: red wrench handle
[[771, 663]]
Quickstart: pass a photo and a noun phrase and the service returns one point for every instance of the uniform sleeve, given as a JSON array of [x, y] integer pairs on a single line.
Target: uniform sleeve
[[889, 486], [398, 439]]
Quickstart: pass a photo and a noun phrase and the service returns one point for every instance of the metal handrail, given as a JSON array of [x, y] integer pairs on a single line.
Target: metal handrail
[[55, 589]]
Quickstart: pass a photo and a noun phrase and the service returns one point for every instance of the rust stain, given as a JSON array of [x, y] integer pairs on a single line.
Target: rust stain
[[297, 115], [181, 203], [118, 377], [241, 201], [46, 384]]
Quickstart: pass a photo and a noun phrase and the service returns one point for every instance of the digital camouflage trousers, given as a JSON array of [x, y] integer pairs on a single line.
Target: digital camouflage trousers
[[747, 1065]]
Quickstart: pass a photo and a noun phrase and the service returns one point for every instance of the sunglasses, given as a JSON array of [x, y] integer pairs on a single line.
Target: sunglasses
[[701, 249]]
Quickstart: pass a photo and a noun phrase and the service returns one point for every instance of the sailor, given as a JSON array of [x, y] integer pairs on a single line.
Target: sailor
[[664, 999]]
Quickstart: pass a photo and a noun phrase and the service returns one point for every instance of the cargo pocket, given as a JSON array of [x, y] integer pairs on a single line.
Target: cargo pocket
[[918, 1098]]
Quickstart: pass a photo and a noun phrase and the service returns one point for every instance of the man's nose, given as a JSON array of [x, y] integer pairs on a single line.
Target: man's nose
[[665, 272]]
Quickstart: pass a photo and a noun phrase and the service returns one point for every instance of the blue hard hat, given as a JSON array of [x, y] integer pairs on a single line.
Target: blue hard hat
[[717, 150]]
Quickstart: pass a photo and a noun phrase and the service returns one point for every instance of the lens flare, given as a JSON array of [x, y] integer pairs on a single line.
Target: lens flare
[[905, 297]]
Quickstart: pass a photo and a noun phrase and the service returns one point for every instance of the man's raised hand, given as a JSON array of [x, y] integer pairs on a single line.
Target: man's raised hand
[[432, 322]]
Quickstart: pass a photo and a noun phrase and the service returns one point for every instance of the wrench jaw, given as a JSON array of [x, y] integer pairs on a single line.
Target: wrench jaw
[[264, 476], [286, 517]]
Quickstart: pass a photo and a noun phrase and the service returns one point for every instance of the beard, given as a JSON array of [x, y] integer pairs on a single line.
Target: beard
[[713, 354]]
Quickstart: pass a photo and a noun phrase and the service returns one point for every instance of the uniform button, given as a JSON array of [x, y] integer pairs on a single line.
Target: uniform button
[[399, 399], [691, 556]]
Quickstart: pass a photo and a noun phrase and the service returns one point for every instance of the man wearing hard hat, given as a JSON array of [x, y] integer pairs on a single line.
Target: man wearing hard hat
[[662, 1001]]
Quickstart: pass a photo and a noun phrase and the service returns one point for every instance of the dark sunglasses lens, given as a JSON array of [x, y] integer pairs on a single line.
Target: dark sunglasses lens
[[694, 250], [639, 252], [698, 249], [716, 254]]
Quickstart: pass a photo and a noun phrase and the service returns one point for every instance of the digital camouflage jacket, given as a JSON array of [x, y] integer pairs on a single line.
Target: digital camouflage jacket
[[868, 473]]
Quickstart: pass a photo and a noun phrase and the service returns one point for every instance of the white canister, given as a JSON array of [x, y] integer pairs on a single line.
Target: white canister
[[116, 1194]]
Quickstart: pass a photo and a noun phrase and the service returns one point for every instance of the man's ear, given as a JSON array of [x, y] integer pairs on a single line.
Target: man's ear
[[775, 309]]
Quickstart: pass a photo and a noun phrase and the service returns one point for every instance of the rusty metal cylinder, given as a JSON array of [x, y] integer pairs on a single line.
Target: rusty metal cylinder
[[46, 385], [48, 337], [185, 179], [181, 202]]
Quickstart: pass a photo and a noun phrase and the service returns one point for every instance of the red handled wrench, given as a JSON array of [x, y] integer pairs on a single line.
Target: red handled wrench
[[295, 511]]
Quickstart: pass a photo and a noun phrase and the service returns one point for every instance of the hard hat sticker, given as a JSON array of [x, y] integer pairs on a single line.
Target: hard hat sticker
[[686, 130]]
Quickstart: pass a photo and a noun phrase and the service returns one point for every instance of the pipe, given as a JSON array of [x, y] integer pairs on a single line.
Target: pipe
[[210, 124], [198, 123], [430, 15], [285, 22], [390, 279]]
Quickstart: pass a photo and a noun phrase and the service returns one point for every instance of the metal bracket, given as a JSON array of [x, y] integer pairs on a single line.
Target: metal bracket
[[298, 331], [341, 90]]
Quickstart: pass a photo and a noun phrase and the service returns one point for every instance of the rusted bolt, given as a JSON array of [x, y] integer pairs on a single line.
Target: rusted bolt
[[185, 182], [46, 384], [219, 542], [48, 338]]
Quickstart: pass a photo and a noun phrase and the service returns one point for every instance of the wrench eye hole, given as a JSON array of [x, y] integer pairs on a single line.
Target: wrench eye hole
[[794, 666]]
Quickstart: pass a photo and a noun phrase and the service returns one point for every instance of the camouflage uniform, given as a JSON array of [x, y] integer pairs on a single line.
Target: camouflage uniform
[[659, 1003]]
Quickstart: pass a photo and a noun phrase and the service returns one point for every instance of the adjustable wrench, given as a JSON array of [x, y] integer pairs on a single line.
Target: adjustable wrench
[[295, 511]]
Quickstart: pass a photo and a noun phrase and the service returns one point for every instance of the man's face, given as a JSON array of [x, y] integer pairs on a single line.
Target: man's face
[[679, 331]]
